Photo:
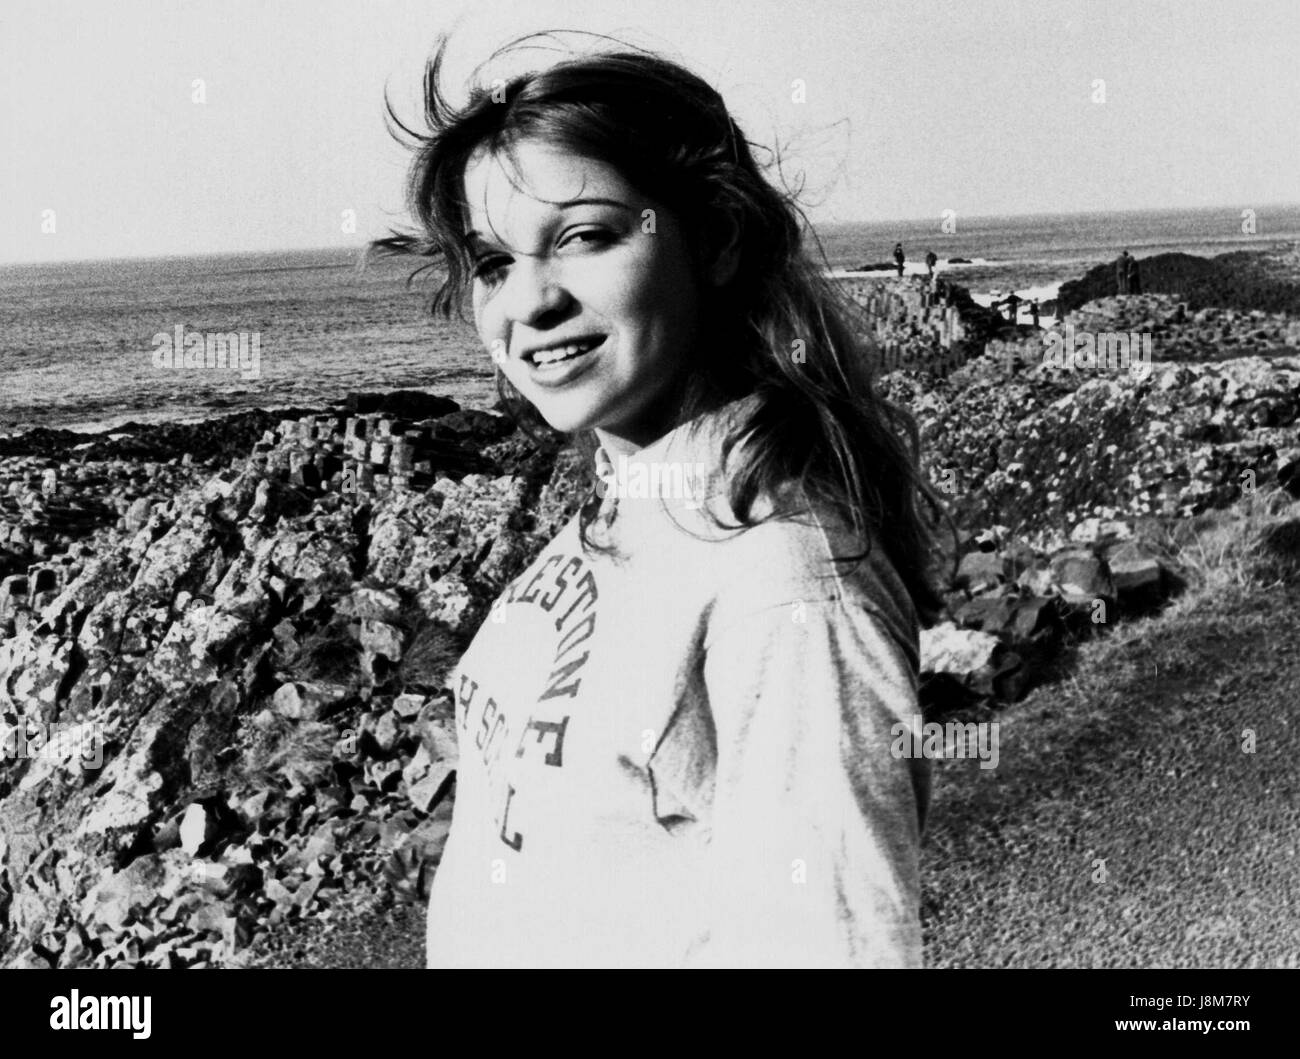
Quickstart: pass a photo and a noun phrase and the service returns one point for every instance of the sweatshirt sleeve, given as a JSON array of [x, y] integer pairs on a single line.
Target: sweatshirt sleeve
[[815, 830]]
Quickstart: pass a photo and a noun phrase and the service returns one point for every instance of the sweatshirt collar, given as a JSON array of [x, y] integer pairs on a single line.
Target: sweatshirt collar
[[683, 469], [696, 441]]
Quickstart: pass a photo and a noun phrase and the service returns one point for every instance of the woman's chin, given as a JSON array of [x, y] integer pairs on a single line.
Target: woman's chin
[[567, 420]]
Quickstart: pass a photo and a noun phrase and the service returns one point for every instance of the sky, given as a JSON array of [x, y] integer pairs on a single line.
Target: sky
[[157, 127]]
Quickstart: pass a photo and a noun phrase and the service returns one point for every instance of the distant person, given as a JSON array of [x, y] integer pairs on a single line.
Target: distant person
[[931, 259], [898, 257], [1132, 280], [1122, 273], [1033, 311], [1012, 303]]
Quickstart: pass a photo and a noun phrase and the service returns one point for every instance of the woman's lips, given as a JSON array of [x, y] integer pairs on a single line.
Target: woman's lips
[[561, 372]]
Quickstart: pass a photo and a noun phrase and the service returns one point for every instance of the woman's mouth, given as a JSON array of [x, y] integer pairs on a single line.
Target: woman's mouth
[[559, 363]]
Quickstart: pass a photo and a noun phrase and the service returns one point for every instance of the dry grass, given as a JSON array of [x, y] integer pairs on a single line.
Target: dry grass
[[430, 652], [329, 654], [1225, 550], [299, 752]]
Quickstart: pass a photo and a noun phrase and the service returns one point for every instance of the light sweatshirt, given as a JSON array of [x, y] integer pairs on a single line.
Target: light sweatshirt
[[679, 755]]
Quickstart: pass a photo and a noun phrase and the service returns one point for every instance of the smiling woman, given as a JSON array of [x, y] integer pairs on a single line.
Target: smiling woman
[[676, 732]]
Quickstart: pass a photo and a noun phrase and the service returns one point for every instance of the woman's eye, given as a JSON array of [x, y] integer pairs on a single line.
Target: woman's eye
[[488, 269], [587, 237]]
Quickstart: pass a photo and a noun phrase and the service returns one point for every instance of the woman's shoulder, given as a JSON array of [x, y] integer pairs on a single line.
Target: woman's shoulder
[[785, 547], [808, 552]]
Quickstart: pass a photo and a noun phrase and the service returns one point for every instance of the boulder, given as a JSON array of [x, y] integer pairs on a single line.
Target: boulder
[[1140, 576], [947, 649], [991, 614], [387, 731], [381, 638], [197, 828], [408, 706], [373, 604], [306, 700], [425, 777], [138, 514], [1035, 615], [128, 892], [979, 570], [1036, 580], [1082, 574], [1134, 577], [1018, 558], [1094, 530]]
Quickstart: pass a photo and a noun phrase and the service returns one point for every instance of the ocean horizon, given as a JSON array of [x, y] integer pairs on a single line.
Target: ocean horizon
[[81, 346]]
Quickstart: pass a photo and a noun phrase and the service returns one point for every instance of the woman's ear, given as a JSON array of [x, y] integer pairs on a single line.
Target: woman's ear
[[724, 249]]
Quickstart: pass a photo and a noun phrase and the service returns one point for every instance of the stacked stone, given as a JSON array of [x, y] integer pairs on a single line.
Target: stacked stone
[[357, 470], [54, 516], [401, 461], [1006, 356], [1039, 449], [23, 595], [14, 591], [369, 454], [1182, 335], [911, 326]]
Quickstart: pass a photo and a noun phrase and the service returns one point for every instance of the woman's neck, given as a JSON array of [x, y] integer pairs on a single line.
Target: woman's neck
[[675, 408], [664, 416], [617, 445]]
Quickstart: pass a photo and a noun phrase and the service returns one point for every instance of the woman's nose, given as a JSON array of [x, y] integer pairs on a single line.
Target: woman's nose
[[534, 292]]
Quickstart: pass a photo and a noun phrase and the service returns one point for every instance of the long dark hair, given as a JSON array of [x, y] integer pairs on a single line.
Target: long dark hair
[[818, 418]]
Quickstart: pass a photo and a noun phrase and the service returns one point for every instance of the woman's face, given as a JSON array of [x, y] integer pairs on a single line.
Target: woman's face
[[582, 292]]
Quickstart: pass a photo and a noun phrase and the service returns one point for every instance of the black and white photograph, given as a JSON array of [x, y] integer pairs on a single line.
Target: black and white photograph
[[650, 485]]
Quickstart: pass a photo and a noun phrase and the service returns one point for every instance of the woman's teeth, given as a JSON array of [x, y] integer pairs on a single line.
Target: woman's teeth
[[559, 353]]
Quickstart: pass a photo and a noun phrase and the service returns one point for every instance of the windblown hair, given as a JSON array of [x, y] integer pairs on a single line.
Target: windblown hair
[[818, 418]]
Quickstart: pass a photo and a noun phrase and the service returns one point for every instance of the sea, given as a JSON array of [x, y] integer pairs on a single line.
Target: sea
[[80, 342]]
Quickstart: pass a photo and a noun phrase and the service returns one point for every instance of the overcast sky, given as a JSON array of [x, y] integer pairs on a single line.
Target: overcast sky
[[911, 108]]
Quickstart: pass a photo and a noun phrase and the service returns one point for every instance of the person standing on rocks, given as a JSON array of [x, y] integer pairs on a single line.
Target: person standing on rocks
[[652, 734], [1133, 283], [898, 257], [1122, 273], [1012, 303], [931, 259]]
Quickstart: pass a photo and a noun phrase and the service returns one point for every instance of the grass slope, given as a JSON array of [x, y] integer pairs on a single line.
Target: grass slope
[[1136, 761]]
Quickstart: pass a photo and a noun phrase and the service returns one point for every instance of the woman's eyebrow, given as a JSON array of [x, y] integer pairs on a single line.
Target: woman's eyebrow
[[593, 201], [473, 235]]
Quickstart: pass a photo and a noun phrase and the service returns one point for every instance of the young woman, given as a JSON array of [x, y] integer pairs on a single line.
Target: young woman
[[675, 742]]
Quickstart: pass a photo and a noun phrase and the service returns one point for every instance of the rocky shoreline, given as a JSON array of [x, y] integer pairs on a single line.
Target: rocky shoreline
[[257, 658], [249, 619]]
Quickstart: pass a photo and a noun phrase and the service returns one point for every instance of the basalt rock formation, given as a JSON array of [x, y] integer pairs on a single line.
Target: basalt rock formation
[[1044, 449], [1241, 280], [918, 325], [228, 711]]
